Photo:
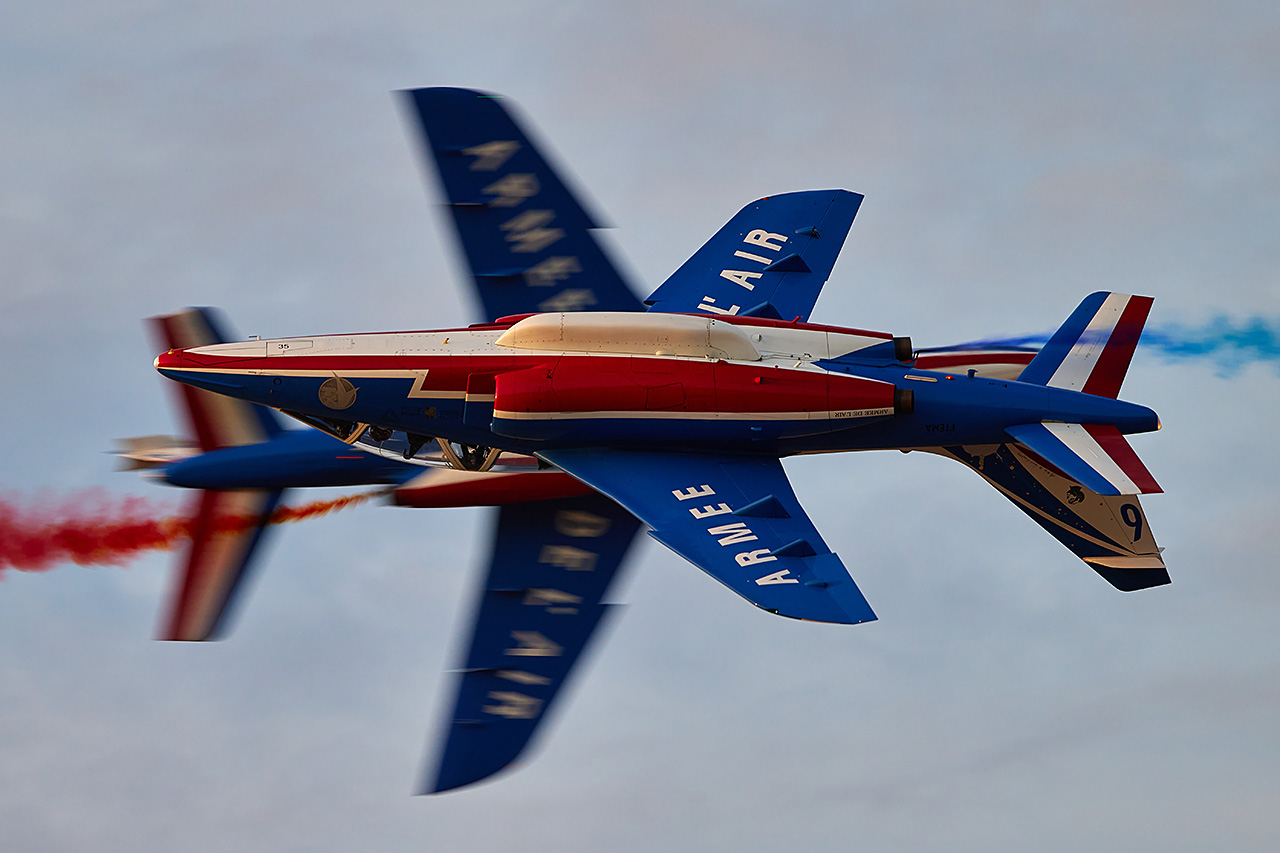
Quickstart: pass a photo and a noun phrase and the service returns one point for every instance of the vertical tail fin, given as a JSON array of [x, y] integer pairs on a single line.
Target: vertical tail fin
[[217, 563], [1092, 350], [215, 567]]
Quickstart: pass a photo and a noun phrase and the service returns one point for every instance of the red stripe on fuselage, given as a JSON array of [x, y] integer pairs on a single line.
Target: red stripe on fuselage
[[587, 384], [493, 490], [579, 383]]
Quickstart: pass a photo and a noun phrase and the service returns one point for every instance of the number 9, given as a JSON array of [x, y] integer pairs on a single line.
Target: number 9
[[1133, 518]]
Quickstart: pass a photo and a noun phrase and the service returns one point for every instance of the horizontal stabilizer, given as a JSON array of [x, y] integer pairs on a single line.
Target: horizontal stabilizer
[[1096, 456]]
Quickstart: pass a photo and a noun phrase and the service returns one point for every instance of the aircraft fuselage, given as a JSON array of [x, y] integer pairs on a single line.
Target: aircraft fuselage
[[555, 380]]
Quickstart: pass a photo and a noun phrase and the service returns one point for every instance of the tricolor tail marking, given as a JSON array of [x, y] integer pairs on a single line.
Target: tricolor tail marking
[[213, 420], [1096, 456], [1109, 454], [1092, 350]]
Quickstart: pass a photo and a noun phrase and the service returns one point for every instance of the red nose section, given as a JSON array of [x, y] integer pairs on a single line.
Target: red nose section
[[215, 355], [171, 360]]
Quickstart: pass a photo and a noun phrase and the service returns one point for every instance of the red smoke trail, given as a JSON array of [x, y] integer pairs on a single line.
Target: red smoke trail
[[91, 529]]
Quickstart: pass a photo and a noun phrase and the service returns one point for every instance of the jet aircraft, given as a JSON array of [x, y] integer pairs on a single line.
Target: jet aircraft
[[242, 459], [683, 420], [721, 379]]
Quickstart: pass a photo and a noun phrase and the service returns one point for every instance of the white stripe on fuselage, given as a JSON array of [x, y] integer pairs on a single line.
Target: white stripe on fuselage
[[776, 345]]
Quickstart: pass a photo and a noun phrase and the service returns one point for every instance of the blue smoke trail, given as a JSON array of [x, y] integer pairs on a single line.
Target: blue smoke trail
[[1229, 345]]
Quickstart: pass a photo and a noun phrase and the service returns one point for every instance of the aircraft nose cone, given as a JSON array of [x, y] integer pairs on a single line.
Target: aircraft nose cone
[[168, 360]]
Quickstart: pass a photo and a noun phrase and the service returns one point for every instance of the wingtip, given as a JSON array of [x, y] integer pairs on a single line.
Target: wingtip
[[445, 781]]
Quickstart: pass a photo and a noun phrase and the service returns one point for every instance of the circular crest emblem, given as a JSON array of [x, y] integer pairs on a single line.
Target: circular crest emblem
[[337, 393]]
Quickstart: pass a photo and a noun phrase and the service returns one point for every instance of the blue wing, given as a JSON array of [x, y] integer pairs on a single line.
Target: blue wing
[[734, 517], [542, 600], [525, 234], [770, 260], [528, 241]]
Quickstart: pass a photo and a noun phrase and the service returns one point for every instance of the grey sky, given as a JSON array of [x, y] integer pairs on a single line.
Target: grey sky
[[1014, 157]]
